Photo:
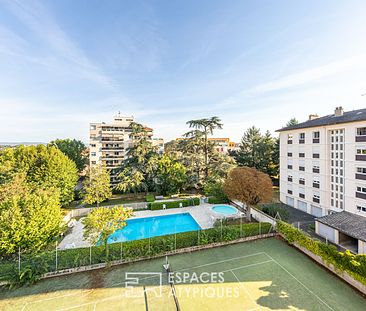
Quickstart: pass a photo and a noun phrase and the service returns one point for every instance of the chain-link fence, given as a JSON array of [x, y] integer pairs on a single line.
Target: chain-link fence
[[226, 230]]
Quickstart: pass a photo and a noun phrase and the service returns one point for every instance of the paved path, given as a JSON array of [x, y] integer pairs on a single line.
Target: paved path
[[202, 214]]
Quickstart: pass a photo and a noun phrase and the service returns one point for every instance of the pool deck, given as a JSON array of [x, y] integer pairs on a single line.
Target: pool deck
[[202, 214]]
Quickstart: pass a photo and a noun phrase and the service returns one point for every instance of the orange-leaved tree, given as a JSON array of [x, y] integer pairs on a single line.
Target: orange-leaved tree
[[248, 186]]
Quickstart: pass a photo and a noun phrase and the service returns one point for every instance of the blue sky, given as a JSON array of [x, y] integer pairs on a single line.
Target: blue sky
[[66, 63]]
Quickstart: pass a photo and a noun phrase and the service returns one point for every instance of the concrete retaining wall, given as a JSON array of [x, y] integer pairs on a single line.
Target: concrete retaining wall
[[341, 274]]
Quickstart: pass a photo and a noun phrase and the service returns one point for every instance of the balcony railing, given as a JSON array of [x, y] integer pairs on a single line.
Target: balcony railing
[[360, 176]]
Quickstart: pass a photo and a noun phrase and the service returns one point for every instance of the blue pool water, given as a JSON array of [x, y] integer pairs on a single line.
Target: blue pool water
[[143, 228], [225, 209]]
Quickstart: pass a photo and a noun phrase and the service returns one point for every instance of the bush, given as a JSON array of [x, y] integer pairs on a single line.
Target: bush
[[34, 266], [150, 198], [273, 209], [355, 265], [215, 200], [173, 204]]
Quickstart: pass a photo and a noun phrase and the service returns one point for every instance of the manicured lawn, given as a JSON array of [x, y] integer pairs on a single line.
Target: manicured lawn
[[264, 274]]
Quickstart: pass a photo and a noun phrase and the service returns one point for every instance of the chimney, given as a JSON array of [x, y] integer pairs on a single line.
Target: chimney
[[313, 117], [338, 111]]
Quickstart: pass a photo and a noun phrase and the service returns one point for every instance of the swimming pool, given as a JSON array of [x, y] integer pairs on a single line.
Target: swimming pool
[[225, 209], [142, 228]]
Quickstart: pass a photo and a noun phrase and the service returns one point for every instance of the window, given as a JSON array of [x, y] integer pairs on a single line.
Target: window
[[302, 180], [316, 134], [93, 154], [93, 162], [289, 154], [301, 138], [361, 170], [361, 189], [289, 178], [92, 145], [316, 197], [93, 127], [289, 138], [301, 155], [361, 151], [361, 208], [361, 131]]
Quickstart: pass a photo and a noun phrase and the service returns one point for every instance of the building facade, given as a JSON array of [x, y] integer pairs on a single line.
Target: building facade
[[224, 145], [109, 143], [323, 165]]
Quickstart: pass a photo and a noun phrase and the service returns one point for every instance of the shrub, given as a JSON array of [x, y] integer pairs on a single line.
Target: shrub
[[273, 209], [215, 200], [173, 204], [355, 265], [34, 266], [150, 198]]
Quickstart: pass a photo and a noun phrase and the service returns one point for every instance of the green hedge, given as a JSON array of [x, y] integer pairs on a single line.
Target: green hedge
[[355, 265], [214, 200], [274, 208], [73, 258], [150, 198], [173, 204]]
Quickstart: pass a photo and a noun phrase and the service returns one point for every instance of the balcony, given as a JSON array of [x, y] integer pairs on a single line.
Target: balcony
[[360, 139], [316, 140], [360, 157], [316, 170], [361, 195], [316, 155], [360, 176], [316, 200], [302, 168], [316, 185]]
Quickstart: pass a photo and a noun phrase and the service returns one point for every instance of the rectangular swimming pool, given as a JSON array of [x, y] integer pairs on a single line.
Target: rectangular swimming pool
[[142, 228]]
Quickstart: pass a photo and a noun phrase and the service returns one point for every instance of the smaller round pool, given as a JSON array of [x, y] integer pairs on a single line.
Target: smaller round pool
[[224, 209]]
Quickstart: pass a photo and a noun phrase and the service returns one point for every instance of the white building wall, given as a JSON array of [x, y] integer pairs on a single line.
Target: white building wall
[[350, 202]]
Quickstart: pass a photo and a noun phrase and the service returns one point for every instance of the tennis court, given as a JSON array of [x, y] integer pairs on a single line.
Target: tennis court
[[259, 275]]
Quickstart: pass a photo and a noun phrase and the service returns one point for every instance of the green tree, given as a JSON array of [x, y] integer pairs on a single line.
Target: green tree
[[74, 150], [30, 217], [249, 186], [258, 151], [292, 122], [101, 222], [204, 127], [170, 176], [42, 166], [137, 171], [97, 186], [215, 188]]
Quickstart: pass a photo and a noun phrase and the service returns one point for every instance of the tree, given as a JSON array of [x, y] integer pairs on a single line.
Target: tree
[[74, 149], [258, 151], [248, 186], [101, 222], [42, 166], [97, 186], [30, 217], [170, 176], [137, 171], [292, 122], [206, 127]]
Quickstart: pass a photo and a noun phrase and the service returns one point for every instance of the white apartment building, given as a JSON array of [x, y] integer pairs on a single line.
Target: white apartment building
[[109, 143], [323, 172]]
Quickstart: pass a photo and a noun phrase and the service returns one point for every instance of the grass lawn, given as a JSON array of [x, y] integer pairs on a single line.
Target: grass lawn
[[260, 275]]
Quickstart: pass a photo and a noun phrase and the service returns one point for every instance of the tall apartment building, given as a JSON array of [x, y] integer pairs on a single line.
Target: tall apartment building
[[109, 143], [323, 172]]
